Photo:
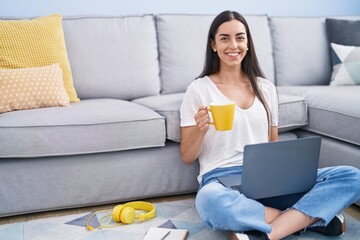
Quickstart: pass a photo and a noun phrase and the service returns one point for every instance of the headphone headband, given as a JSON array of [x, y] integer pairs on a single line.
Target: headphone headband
[[145, 206]]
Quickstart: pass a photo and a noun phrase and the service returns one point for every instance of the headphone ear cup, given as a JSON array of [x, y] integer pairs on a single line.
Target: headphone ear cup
[[116, 213], [127, 215], [142, 217]]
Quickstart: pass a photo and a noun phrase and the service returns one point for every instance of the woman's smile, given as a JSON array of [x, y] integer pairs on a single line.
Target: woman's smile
[[233, 54]]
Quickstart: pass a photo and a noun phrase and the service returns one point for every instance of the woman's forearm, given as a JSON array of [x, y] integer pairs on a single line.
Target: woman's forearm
[[191, 144]]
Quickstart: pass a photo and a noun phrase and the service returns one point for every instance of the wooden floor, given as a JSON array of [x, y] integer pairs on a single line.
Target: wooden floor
[[353, 210]]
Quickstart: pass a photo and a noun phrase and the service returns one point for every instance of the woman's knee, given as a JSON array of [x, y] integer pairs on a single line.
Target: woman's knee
[[207, 197], [346, 174], [214, 201], [355, 176], [222, 208], [351, 172], [342, 172]]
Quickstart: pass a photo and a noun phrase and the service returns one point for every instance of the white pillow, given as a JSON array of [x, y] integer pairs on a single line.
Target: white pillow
[[346, 65]]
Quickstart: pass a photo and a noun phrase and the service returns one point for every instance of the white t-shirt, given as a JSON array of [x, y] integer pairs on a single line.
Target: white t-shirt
[[225, 148]]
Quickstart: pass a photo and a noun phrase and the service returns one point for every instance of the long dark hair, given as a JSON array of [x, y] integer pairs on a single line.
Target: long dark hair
[[249, 64]]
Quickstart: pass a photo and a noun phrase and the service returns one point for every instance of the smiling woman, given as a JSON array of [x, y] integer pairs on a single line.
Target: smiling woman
[[231, 63], [232, 73]]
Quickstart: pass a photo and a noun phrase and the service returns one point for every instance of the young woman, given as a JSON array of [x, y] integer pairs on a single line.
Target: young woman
[[232, 73]]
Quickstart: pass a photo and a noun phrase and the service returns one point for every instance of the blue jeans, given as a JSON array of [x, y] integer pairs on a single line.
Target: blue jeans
[[224, 209]]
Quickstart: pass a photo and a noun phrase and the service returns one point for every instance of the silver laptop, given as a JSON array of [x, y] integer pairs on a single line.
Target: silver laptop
[[277, 168]]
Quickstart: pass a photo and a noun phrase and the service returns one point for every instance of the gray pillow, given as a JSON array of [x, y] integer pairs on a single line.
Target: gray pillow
[[343, 32]]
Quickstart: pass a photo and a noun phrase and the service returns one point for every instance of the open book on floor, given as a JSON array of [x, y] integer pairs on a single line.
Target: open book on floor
[[158, 233]]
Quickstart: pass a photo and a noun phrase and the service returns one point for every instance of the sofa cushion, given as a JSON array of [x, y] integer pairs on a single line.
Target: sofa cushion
[[89, 126], [346, 65], [33, 43], [292, 112], [113, 57], [167, 106], [301, 51], [182, 51], [333, 111], [27, 88]]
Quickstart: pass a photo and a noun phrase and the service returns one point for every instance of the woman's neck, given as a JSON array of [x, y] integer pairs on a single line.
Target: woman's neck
[[231, 76]]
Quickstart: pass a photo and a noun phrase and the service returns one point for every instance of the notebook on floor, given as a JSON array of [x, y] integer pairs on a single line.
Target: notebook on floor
[[277, 168]]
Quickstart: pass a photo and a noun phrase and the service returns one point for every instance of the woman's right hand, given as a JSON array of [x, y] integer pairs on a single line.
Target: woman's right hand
[[192, 137], [202, 119]]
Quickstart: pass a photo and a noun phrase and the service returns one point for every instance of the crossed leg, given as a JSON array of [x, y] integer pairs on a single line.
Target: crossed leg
[[287, 222]]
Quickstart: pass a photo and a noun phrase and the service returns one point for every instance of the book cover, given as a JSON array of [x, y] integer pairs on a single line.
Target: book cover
[[160, 233]]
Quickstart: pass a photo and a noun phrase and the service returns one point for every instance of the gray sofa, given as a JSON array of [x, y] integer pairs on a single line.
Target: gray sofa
[[121, 141]]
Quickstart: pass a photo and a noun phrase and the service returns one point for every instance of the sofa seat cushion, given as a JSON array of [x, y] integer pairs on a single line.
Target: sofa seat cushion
[[89, 126], [333, 111], [167, 106], [292, 112]]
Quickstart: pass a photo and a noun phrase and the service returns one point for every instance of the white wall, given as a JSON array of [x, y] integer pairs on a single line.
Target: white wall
[[19, 8]]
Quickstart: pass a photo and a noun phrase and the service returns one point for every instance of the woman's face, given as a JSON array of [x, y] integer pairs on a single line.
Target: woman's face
[[231, 43]]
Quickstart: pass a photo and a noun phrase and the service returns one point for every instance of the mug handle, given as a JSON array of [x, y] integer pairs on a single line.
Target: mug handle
[[209, 110]]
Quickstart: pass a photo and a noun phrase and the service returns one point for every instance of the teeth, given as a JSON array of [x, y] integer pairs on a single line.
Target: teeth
[[233, 54]]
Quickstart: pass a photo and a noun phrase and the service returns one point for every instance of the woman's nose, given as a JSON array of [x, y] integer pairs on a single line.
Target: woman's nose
[[233, 43]]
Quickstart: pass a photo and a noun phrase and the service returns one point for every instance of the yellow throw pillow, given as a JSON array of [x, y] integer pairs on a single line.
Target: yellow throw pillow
[[26, 88], [34, 43]]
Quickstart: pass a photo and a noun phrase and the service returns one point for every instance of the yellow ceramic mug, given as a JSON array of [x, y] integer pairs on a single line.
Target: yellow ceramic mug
[[223, 115]]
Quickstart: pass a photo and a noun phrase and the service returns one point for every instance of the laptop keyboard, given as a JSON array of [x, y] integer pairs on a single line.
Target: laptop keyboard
[[236, 187]]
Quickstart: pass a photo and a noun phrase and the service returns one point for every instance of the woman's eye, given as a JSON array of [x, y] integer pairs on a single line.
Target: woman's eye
[[224, 39]]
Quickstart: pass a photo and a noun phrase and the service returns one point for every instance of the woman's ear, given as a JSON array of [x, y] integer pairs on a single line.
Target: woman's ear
[[213, 45]]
